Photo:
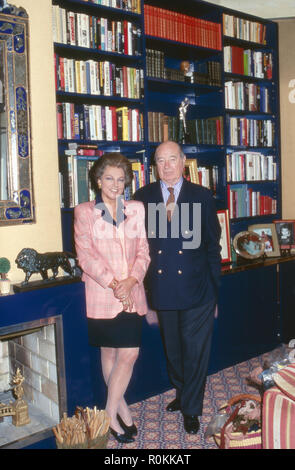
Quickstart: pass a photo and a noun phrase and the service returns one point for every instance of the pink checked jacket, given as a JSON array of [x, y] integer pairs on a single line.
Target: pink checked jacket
[[105, 252]]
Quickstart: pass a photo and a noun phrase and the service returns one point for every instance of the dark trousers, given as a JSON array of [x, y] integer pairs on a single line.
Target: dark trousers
[[186, 337]]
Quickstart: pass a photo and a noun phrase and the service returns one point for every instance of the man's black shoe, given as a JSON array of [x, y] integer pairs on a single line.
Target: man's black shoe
[[174, 405], [191, 424]]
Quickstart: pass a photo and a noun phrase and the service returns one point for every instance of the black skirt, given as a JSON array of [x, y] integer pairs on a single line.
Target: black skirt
[[123, 331]]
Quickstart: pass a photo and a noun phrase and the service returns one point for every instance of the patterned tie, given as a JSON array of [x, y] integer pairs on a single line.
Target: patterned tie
[[171, 200]]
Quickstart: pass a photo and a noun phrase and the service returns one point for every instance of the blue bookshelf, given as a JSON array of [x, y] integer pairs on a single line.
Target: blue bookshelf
[[164, 89]]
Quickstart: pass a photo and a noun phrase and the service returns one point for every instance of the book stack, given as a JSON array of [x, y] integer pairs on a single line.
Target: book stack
[[205, 73], [155, 64], [176, 26], [75, 183], [251, 132], [250, 166], [244, 29], [128, 5], [206, 131], [96, 122], [98, 78], [162, 127], [247, 62], [244, 202], [246, 97], [208, 177], [138, 177], [80, 29]]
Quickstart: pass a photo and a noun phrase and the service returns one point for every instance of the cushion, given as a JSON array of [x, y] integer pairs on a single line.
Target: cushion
[[278, 420], [285, 380]]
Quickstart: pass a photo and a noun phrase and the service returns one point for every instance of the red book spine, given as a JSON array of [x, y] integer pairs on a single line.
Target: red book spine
[[125, 32], [114, 123], [62, 73]]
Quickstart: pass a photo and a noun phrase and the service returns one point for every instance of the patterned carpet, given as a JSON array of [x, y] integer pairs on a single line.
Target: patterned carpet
[[159, 429]]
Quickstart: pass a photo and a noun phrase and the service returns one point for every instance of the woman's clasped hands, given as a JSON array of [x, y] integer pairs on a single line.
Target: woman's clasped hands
[[122, 291]]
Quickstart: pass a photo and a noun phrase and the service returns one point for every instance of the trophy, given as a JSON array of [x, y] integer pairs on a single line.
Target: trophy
[[183, 134]]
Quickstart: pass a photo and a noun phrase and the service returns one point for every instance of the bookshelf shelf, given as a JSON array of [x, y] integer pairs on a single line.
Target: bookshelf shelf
[[99, 98], [183, 49], [90, 52], [228, 40], [248, 78], [99, 8], [197, 88]]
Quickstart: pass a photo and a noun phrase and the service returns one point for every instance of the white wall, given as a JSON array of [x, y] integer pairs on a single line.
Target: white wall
[[262, 8]]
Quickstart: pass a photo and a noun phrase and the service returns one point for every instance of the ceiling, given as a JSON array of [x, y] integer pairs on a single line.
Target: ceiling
[[264, 8]]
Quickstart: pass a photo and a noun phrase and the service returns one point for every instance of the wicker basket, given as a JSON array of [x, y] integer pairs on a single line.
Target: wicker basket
[[239, 440], [98, 443], [87, 429]]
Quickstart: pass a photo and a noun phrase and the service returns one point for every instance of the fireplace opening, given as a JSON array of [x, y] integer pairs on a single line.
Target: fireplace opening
[[35, 349]]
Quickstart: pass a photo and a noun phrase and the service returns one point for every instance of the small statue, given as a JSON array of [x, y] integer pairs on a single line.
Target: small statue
[[18, 380], [32, 262], [188, 70], [182, 120]]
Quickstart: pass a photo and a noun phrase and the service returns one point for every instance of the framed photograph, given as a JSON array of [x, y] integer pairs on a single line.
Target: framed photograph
[[248, 245], [268, 235], [286, 232], [191, 170], [223, 218]]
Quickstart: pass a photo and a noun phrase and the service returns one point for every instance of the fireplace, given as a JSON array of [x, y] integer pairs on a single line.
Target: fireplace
[[36, 349]]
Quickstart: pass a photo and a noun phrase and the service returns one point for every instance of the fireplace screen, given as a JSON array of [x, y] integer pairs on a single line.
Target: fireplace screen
[[36, 350]]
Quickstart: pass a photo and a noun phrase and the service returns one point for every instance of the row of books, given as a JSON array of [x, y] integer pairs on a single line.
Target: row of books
[[244, 29], [176, 26], [244, 202], [207, 131], [251, 132], [80, 29], [207, 73], [98, 78], [246, 97], [247, 62], [206, 176], [128, 5], [96, 122], [162, 127], [75, 178], [250, 166]]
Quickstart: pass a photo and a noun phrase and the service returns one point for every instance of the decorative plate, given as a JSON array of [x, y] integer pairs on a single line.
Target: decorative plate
[[249, 245]]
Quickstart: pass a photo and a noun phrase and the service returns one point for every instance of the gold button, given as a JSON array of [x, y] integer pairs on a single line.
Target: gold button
[[160, 252], [160, 271], [180, 252], [179, 271]]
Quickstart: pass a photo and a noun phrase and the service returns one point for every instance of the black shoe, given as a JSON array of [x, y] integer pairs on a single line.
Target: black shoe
[[191, 424], [131, 430], [122, 438], [174, 405]]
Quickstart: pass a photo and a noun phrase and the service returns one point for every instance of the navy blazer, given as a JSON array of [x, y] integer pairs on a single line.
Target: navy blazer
[[180, 276]]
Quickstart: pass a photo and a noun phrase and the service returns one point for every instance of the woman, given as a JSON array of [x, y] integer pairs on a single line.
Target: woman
[[113, 253]]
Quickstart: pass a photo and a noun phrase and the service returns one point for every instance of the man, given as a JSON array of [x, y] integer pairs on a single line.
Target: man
[[183, 276]]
